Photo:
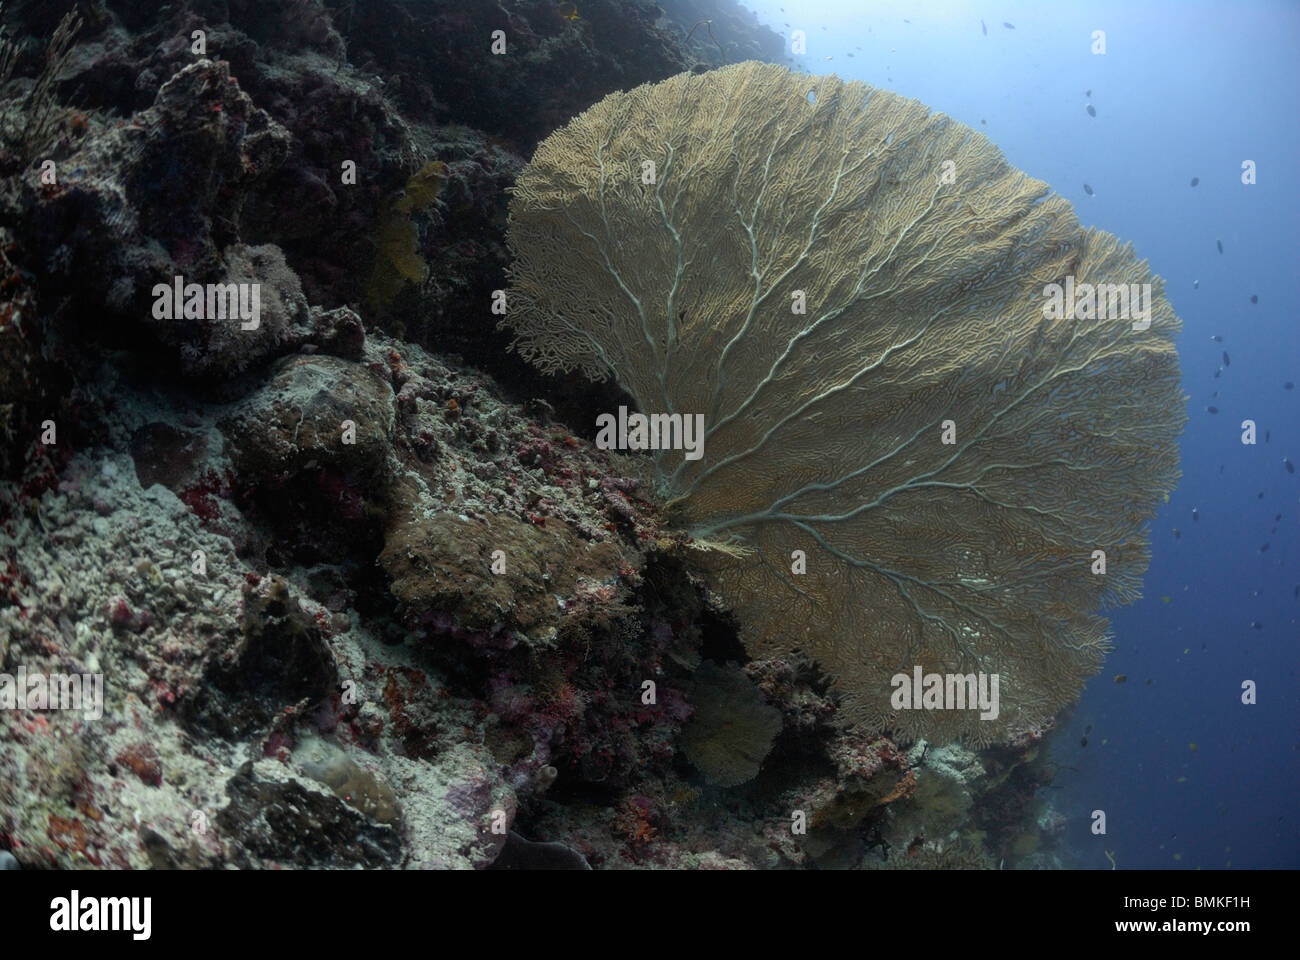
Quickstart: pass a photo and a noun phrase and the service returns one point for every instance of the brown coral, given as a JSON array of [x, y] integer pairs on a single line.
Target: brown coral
[[732, 728], [443, 564], [850, 289]]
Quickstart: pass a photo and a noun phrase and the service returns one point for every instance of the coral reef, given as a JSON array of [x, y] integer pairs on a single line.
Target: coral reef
[[354, 600]]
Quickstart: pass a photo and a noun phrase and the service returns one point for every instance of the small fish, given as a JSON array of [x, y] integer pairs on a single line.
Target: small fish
[[1217, 339], [1254, 298], [1295, 594], [1192, 747], [1178, 534], [1166, 599], [1087, 93], [1088, 728], [1264, 548], [828, 58], [1227, 360], [1212, 409], [1092, 111], [1219, 244], [983, 122], [1195, 515], [1083, 742], [1181, 780], [1009, 26], [984, 29], [1267, 435], [1148, 681], [1257, 624], [1260, 496], [1196, 284], [1195, 180], [1290, 467], [1121, 677], [848, 54], [1277, 518], [1288, 385], [1218, 372], [569, 11], [1087, 189]]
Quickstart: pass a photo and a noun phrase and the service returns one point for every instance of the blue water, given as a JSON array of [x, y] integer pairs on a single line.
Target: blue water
[[1184, 89]]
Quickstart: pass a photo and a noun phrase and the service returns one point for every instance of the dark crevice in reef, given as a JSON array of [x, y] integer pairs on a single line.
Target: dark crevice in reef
[[720, 639]]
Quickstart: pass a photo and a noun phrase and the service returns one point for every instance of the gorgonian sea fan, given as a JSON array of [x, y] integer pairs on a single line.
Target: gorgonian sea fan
[[922, 258]]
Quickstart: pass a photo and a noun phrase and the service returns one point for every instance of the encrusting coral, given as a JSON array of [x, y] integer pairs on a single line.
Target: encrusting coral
[[849, 288]]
